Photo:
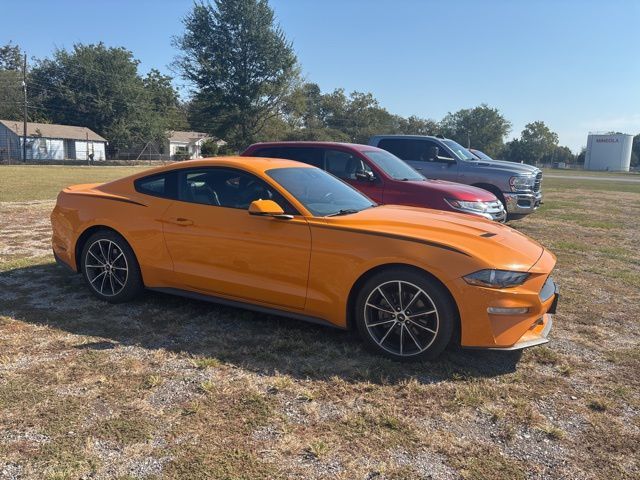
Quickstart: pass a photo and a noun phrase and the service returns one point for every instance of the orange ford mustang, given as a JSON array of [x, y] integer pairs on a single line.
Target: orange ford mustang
[[284, 237]]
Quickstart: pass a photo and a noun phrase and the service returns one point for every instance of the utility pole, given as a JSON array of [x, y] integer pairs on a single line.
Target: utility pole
[[24, 126]]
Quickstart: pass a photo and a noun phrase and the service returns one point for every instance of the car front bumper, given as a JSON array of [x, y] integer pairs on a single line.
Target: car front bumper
[[522, 203], [536, 335], [510, 329]]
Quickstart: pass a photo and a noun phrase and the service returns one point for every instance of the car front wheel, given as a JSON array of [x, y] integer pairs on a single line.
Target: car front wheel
[[110, 268], [405, 315]]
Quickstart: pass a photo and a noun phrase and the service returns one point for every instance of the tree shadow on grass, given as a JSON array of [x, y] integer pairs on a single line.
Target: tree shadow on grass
[[266, 344]]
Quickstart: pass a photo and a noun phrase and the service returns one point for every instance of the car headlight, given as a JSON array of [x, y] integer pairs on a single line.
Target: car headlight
[[480, 207], [521, 183], [496, 278]]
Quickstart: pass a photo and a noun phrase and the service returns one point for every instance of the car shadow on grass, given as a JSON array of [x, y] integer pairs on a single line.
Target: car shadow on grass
[[266, 344]]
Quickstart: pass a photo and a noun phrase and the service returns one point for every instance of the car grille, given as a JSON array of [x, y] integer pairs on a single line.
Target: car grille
[[538, 183], [497, 211]]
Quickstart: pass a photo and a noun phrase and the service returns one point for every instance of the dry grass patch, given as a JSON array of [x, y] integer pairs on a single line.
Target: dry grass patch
[[165, 387]]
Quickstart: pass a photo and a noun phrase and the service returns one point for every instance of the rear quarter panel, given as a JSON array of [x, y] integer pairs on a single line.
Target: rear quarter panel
[[136, 219]]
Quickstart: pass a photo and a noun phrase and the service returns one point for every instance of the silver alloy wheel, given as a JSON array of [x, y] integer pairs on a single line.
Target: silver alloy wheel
[[401, 318], [106, 267]]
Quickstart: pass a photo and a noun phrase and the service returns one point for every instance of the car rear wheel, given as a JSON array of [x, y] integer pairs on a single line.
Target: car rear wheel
[[405, 315], [110, 268]]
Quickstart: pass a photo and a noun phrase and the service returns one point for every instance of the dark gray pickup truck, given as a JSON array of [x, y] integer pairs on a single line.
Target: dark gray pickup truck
[[517, 185]]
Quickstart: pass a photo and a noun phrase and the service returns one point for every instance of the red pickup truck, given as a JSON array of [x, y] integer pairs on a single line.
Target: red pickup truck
[[384, 178]]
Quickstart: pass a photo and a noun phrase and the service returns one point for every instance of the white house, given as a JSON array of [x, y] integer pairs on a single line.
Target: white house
[[50, 142], [187, 145]]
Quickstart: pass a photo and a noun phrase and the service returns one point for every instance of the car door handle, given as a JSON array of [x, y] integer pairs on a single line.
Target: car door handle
[[183, 222], [418, 168]]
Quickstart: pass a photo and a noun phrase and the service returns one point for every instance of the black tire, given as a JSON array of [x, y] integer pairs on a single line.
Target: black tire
[[117, 279], [411, 333]]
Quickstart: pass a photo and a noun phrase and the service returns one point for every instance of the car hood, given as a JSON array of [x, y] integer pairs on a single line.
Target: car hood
[[513, 167], [452, 190], [496, 245]]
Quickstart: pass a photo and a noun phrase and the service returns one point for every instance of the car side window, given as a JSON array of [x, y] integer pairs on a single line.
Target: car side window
[[430, 151], [344, 165], [396, 146], [160, 185], [227, 187]]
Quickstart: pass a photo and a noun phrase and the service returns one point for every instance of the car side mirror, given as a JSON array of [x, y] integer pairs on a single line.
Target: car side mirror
[[447, 159], [267, 208], [365, 175]]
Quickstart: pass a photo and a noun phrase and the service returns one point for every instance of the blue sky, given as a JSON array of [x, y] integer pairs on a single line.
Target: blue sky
[[573, 64]]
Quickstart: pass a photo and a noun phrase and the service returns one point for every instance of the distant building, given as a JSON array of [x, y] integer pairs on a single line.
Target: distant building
[[47, 141], [187, 145], [608, 151]]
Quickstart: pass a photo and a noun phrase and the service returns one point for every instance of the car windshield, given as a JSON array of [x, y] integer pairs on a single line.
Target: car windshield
[[482, 155], [320, 192], [392, 165], [459, 151]]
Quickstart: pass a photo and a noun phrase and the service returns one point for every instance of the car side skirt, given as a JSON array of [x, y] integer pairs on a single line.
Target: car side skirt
[[245, 305]]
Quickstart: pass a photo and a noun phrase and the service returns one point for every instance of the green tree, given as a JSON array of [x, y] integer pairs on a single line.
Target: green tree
[[11, 94], [536, 143], [559, 154], [581, 156], [11, 57], [166, 111], [481, 127], [305, 113], [96, 87], [336, 116], [417, 126], [209, 148], [635, 151], [539, 140], [241, 66], [363, 117], [515, 151]]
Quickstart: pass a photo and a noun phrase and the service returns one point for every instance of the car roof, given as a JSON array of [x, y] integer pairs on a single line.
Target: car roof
[[401, 137], [257, 165], [354, 146]]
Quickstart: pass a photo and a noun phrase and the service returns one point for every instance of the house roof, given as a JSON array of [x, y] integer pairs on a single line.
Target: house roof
[[186, 137], [51, 130]]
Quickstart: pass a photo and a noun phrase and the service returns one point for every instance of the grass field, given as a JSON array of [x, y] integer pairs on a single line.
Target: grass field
[[590, 173], [172, 388], [34, 182]]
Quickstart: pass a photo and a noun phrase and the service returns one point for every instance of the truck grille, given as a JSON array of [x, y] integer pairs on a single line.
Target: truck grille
[[538, 182]]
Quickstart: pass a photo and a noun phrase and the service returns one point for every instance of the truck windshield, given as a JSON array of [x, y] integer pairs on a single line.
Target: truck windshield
[[459, 151], [392, 165], [482, 155]]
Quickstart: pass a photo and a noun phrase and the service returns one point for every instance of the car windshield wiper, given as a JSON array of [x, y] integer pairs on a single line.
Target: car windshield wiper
[[346, 211]]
